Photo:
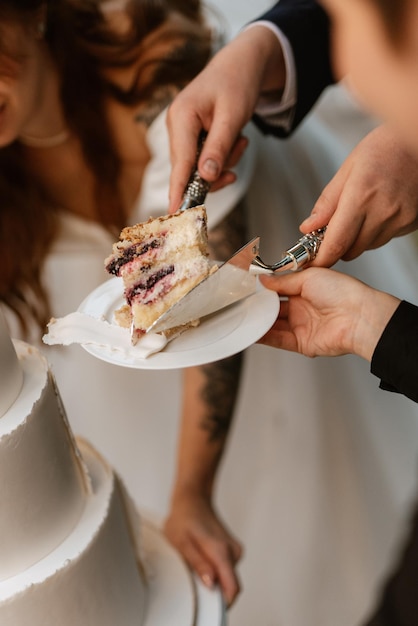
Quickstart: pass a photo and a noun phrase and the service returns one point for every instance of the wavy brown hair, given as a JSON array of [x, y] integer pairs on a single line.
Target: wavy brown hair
[[83, 46]]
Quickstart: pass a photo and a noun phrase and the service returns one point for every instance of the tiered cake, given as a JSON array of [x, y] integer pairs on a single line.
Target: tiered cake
[[73, 549], [68, 533]]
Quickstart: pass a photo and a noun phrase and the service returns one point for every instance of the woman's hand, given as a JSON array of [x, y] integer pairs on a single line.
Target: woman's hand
[[328, 314], [206, 545]]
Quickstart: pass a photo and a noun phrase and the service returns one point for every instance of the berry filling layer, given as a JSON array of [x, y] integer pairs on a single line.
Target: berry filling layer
[[133, 252], [155, 286]]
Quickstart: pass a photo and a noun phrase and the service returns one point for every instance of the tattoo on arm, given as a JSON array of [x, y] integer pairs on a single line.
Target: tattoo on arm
[[223, 377], [219, 393]]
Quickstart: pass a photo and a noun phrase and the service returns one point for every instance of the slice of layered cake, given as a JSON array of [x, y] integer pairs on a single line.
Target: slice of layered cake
[[159, 261]]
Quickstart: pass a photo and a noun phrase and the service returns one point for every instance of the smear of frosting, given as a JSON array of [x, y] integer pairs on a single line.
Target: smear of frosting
[[84, 329]]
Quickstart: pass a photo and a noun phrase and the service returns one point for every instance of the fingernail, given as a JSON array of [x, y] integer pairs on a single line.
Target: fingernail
[[210, 167], [207, 580]]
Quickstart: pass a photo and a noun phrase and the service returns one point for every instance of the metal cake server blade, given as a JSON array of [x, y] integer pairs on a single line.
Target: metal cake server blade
[[231, 282]]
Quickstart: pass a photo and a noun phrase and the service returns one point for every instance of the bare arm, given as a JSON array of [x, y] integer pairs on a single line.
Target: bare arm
[[209, 397], [193, 525]]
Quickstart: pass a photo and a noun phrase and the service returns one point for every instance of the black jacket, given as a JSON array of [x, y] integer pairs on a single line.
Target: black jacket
[[395, 359]]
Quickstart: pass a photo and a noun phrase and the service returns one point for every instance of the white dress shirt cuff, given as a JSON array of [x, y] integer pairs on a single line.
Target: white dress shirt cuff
[[279, 113]]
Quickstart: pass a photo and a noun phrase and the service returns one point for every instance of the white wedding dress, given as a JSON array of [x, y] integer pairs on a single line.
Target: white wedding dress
[[320, 471]]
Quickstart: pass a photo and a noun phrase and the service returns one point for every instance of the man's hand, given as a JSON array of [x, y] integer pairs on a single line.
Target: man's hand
[[372, 198], [221, 100]]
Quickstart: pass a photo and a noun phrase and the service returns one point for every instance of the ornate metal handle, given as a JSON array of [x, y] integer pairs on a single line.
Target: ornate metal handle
[[305, 250], [197, 187]]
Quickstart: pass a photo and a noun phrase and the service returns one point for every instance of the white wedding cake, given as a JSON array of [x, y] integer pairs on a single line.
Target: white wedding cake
[[69, 550], [73, 549]]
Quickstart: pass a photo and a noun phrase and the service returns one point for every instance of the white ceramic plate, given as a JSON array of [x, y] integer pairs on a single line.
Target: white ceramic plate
[[218, 336], [175, 596], [171, 596], [211, 609]]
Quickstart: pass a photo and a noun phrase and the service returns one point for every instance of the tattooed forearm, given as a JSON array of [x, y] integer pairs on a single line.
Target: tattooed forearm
[[219, 393], [222, 378]]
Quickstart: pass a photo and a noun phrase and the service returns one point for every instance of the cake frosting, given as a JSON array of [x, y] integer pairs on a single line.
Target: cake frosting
[[93, 576], [84, 329], [11, 375], [69, 534], [159, 261], [73, 547], [44, 488]]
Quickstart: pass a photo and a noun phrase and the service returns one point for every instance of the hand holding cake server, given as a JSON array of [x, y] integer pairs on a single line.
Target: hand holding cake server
[[233, 279], [221, 100], [303, 251], [371, 199]]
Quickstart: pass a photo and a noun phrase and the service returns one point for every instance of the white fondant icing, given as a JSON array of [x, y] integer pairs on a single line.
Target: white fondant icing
[[42, 487], [72, 546], [11, 375], [92, 578]]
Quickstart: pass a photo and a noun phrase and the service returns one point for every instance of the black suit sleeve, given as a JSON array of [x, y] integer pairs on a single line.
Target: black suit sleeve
[[395, 359], [306, 26]]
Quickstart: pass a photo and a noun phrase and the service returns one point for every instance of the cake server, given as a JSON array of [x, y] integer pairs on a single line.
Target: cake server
[[229, 282], [197, 187], [304, 251], [236, 279]]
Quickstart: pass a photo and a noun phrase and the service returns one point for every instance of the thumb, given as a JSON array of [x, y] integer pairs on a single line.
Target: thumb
[[284, 284], [222, 140], [326, 204]]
